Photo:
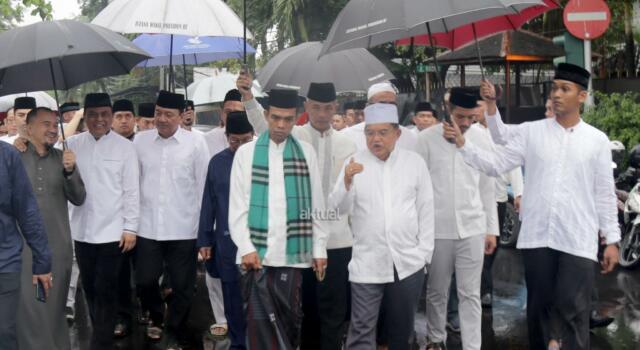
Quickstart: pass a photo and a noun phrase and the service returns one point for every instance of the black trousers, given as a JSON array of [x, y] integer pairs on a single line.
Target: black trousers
[[99, 265], [486, 285], [126, 288], [310, 331], [325, 304], [334, 299], [559, 288], [181, 260], [234, 312]]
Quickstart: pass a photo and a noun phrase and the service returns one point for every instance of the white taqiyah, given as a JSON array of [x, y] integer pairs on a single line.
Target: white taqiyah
[[381, 87], [380, 113]]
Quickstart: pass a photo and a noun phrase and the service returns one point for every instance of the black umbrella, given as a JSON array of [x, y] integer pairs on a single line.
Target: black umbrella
[[59, 55], [297, 67]]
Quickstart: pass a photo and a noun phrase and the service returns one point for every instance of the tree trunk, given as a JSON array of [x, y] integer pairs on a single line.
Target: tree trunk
[[630, 47]]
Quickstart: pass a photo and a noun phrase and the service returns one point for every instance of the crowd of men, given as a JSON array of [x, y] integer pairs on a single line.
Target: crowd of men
[[314, 236]]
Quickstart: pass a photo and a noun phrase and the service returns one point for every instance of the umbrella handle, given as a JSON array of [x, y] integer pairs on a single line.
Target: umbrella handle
[[55, 91], [475, 38]]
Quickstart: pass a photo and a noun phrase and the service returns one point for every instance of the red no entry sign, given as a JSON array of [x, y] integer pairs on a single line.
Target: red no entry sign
[[587, 19]]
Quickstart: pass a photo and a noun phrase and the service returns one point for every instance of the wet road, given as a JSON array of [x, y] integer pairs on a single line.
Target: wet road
[[503, 327]]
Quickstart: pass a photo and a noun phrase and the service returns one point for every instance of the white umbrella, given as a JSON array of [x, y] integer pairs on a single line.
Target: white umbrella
[[182, 17], [43, 99], [213, 89]]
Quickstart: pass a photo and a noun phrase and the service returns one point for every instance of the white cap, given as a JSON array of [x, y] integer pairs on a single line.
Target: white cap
[[381, 87], [380, 113]]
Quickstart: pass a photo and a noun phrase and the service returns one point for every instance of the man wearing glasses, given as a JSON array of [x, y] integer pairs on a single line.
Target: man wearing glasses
[[393, 230]]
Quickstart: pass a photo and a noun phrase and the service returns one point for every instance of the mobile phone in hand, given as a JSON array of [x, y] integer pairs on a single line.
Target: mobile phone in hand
[[40, 294]]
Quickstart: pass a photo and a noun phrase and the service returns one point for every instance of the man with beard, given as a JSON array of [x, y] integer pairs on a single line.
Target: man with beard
[[327, 309], [214, 241], [55, 180], [276, 188]]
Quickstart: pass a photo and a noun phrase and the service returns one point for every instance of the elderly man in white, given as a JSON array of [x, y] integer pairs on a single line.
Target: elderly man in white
[[387, 192], [385, 93]]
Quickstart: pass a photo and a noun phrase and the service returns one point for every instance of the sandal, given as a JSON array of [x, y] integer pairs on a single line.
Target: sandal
[[154, 333], [219, 330]]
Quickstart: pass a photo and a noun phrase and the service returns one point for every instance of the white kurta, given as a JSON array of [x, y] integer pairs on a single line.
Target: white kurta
[[9, 139], [569, 196], [109, 168], [513, 177], [216, 140], [329, 164], [172, 177], [240, 194], [465, 196], [391, 208]]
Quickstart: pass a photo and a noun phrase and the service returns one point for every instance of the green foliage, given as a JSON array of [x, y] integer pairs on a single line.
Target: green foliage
[[618, 116], [12, 11]]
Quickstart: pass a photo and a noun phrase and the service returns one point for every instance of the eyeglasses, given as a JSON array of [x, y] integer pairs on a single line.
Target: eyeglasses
[[239, 141], [381, 133]]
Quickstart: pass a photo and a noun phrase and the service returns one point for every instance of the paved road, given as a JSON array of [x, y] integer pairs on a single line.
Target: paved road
[[503, 327]]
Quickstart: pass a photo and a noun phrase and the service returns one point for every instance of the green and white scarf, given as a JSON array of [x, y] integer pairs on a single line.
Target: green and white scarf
[[298, 195]]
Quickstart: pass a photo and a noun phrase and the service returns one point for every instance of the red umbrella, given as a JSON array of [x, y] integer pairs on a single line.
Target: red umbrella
[[472, 32], [463, 35]]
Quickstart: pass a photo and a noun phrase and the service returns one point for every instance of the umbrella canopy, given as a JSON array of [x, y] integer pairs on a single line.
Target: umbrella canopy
[[43, 99], [461, 36], [368, 23], [213, 89], [297, 67], [74, 52], [188, 49], [192, 17]]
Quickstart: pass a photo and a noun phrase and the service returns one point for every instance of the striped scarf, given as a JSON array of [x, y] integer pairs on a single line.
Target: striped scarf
[[298, 193]]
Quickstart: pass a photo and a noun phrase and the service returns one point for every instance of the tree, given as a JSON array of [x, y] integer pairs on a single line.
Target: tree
[[91, 8], [279, 24], [12, 11]]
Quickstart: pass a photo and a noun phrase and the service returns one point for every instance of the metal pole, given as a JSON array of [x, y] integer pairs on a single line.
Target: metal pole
[[55, 91], [171, 65], [587, 65], [475, 38], [244, 11], [184, 71], [435, 58]]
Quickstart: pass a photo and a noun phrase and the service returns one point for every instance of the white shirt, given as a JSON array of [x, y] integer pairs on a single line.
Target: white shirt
[[9, 139], [342, 148], [513, 177], [240, 194], [569, 196], [172, 177], [216, 140], [408, 138], [109, 168], [391, 208], [466, 197]]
